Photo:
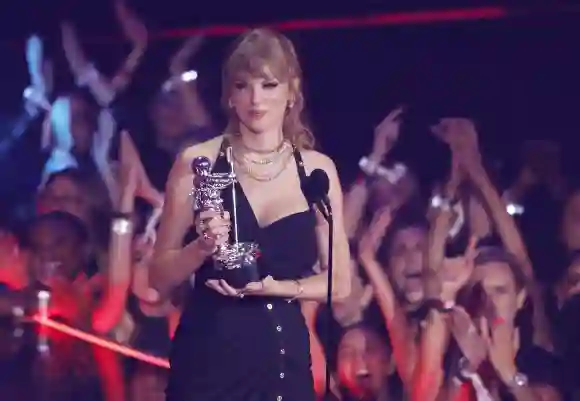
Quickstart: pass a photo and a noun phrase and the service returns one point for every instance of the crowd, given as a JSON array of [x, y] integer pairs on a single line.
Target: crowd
[[458, 291]]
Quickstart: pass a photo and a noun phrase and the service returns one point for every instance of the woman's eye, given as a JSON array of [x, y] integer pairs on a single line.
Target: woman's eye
[[240, 85], [270, 85]]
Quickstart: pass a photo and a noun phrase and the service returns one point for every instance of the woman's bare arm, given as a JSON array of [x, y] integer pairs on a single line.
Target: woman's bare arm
[[172, 263], [514, 243], [399, 332], [315, 288]]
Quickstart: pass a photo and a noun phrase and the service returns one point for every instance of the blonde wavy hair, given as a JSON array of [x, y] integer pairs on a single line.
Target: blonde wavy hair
[[251, 53]]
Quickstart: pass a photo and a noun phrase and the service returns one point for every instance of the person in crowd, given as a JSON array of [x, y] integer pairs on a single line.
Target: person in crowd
[[365, 365], [178, 117], [78, 137], [500, 358]]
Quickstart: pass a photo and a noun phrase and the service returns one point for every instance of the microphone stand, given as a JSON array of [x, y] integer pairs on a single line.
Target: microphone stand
[[326, 210]]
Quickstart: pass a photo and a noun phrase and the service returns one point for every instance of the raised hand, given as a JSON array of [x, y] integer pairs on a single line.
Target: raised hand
[[465, 332], [461, 136], [386, 134], [133, 27], [502, 345], [35, 59], [179, 61], [456, 272]]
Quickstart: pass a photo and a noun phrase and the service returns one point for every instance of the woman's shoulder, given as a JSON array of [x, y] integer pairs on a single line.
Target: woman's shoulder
[[314, 159]]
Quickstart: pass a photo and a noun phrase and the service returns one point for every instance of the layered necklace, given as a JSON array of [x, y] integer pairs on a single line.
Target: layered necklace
[[264, 165]]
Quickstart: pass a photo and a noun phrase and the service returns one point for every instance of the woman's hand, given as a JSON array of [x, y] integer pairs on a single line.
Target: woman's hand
[[461, 136], [39, 68], [133, 28], [265, 287], [213, 229], [502, 345], [179, 61], [456, 272], [386, 135], [472, 345]]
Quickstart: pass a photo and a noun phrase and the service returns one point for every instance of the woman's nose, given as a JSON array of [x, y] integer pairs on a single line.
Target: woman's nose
[[360, 366], [255, 95]]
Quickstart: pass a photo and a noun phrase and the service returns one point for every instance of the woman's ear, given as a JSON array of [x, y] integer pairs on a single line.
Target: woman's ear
[[294, 89], [521, 298]]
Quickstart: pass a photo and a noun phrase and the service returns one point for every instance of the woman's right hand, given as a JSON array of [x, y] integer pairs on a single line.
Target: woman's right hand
[[468, 338], [213, 229], [386, 134]]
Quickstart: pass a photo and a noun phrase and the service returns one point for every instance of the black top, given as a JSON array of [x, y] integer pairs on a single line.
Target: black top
[[255, 348]]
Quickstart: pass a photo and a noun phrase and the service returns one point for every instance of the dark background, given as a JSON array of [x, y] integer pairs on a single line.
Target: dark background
[[516, 76]]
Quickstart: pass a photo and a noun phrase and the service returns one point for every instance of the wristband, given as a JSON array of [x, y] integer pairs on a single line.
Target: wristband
[[122, 226], [373, 169]]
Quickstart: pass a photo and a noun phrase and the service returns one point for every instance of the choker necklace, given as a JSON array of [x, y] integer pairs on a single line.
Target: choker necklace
[[276, 149]]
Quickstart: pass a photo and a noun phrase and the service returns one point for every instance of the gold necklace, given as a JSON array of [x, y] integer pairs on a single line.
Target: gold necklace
[[249, 171], [272, 158]]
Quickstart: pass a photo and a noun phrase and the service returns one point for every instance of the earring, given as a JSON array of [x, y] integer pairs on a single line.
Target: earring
[[230, 105]]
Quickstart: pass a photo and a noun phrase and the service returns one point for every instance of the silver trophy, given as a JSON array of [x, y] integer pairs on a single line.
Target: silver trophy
[[234, 262]]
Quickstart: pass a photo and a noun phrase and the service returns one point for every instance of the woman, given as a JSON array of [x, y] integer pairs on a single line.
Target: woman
[[364, 365], [251, 343]]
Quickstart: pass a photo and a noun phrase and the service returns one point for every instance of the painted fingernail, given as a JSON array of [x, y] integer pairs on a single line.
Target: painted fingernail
[[497, 321]]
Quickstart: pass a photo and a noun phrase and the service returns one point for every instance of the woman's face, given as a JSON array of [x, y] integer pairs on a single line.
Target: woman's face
[[499, 289], [571, 223], [406, 259], [55, 251], [64, 195], [363, 362], [82, 124], [260, 103]]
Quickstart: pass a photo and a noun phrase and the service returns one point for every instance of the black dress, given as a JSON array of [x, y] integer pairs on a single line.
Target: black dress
[[255, 348]]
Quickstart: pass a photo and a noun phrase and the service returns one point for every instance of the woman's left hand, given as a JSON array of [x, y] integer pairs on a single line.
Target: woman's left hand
[[502, 346], [266, 286]]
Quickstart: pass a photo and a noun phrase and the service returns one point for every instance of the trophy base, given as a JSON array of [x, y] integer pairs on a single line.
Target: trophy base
[[239, 266]]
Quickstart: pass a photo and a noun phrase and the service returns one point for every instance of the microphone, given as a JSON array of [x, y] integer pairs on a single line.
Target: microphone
[[315, 188]]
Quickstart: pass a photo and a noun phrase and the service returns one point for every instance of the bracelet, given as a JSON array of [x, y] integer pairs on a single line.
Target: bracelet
[[432, 304], [368, 166], [373, 169], [299, 291], [122, 226]]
